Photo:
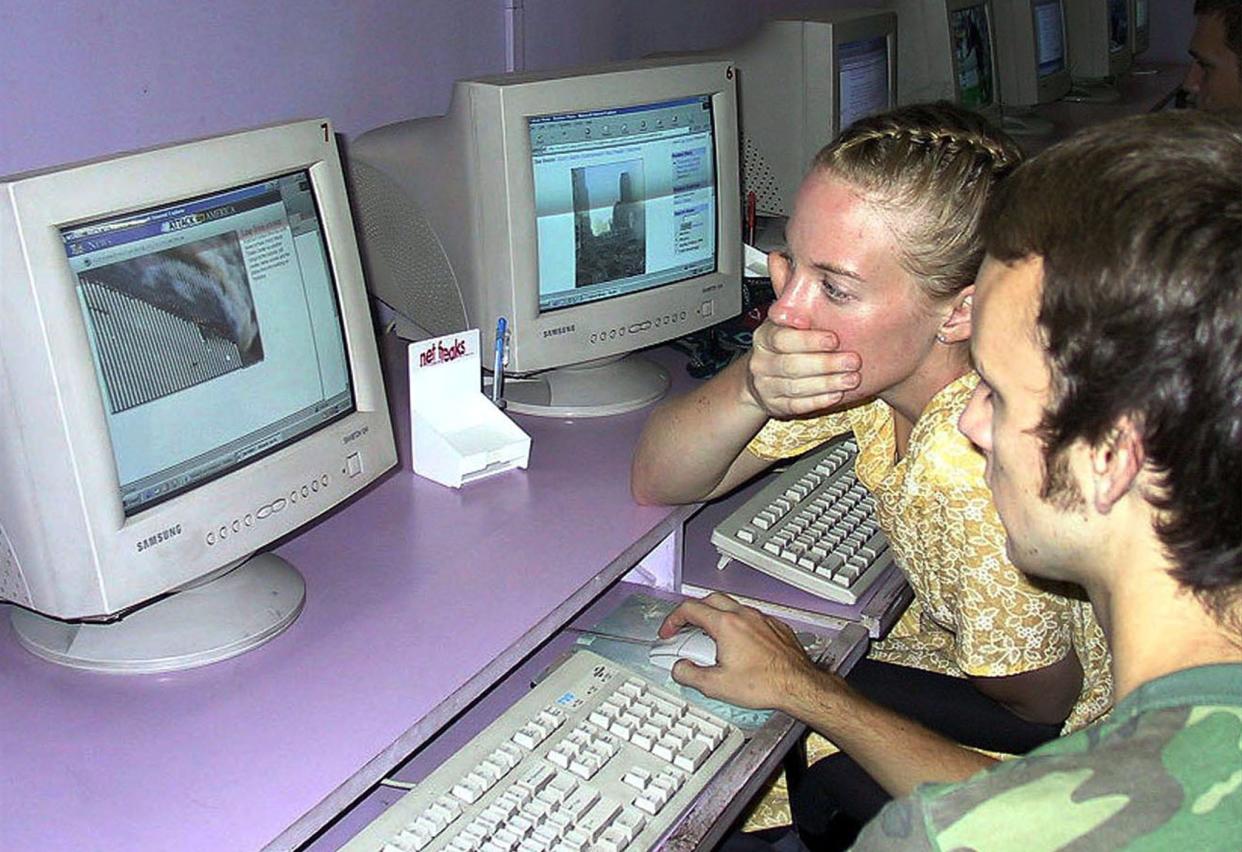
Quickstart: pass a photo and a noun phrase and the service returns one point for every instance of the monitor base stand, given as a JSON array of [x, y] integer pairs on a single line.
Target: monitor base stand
[[1026, 122], [1093, 92], [211, 621], [595, 389]]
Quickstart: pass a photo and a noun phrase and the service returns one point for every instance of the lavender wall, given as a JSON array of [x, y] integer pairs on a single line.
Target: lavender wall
[[83, 79], [570, 32]]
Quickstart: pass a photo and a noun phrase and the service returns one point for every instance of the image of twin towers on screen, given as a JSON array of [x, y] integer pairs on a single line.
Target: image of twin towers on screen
[[625, 199]]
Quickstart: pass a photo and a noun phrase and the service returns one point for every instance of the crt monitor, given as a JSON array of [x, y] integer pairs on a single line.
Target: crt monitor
[[800, 83], [597, 211], [187, 373], [1033, 51], [948, 52], [1099, 33]]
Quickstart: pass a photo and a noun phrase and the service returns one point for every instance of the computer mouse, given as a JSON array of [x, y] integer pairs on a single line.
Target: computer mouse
[[689, 643]]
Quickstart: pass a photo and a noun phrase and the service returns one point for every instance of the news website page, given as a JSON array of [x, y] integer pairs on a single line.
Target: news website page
[[625, 199], [215, 332]]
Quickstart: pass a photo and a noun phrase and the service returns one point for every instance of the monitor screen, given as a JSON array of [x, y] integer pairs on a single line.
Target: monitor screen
[[1049, 38], [191, 306], [1118, 25], [863, 79], [972, 52], [625, 199]]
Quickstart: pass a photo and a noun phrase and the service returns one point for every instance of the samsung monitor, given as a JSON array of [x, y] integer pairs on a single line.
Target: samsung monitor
[[948, 51], [1033, 61], [1033, 54], [1099, 38], [597, 211], [188, 372], [800, 83]]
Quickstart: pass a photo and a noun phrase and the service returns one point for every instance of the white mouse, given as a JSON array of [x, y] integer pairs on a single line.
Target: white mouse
[[689, 643]]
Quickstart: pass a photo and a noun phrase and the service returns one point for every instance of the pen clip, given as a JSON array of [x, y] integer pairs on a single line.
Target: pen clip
[[498, 364]]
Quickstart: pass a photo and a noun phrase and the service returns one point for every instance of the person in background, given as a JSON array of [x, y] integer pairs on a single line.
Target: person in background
[[869, 334], [1109, 343], [1214, 81]]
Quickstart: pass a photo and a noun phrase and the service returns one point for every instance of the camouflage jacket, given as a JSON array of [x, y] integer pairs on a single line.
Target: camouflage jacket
[[1162, 771]]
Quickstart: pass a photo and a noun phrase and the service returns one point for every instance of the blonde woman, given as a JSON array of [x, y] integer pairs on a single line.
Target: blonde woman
[[869, 334]]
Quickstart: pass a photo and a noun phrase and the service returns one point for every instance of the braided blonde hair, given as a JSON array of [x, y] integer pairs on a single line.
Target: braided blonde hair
[[932, 167]]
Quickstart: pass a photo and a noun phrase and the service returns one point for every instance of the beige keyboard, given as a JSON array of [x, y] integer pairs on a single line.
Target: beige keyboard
[[594, 757], [813, 526]]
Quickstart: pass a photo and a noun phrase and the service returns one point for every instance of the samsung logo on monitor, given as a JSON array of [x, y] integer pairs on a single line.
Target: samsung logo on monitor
[[160, 537], [559, 330]]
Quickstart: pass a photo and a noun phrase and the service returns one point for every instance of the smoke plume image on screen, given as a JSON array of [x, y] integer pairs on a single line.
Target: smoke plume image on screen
[[609, 222], [171, 319]]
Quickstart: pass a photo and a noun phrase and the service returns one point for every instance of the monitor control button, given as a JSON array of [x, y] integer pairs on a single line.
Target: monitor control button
[[236, 525], [211, 538], [306, 491], [353, 464]]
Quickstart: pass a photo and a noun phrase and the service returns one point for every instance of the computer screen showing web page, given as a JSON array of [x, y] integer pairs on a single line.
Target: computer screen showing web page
[[972, 51], [625, 199], [862, 79], [1049, 38], [215, 332]]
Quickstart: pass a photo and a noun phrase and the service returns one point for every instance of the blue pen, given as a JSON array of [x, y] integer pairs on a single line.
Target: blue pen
[[498, 365]]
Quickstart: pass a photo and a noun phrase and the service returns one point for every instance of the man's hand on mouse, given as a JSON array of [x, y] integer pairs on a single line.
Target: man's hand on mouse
[[759, 661]]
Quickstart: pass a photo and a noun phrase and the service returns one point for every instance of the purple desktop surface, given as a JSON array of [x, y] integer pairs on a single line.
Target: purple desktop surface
[[418, 598]]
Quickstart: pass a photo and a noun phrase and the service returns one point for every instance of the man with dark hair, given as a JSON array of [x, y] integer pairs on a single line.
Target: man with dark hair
[[1108, 338], [1214, 80]]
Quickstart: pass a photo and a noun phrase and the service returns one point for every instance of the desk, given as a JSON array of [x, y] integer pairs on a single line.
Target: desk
[[1139, 93], [267, 748]]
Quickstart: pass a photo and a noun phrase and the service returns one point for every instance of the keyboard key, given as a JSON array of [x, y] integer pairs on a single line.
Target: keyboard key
[[692, 755]]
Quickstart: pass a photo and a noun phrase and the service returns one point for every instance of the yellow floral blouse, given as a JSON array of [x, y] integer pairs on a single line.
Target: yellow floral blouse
[[973, 613]]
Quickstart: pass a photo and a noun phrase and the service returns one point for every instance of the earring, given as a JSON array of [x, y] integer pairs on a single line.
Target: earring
[[942, 339]]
